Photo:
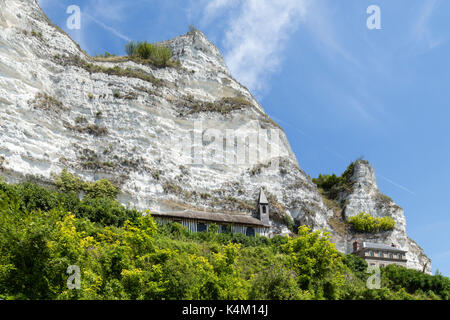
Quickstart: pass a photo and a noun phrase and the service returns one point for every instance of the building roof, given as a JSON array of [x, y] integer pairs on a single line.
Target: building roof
[[382, 246], [211, 216], [262, 198]]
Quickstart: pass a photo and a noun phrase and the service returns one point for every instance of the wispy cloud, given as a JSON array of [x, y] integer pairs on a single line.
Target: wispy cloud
[[256, 36], [106, 27], [397, 185], [359, 107], [111, 10], [105, 13], [215, 7], [422, 35], [312, 138], [323, 27]]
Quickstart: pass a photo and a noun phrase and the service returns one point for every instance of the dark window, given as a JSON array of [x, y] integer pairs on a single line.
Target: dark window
[[391, 256], [264, 209], [250, 232], [399, 255], [225, 229], [201, 227]]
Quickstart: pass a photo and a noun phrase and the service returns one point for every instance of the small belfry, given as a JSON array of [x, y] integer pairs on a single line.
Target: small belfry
[[263, 206]]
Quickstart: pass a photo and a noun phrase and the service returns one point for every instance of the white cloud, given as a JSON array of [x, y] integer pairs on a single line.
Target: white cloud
[[94, 12], [398, 185], [106, 27], [421, 31], [257, 34], [325, 30], [108, 9], [106, 13], [212, 8]]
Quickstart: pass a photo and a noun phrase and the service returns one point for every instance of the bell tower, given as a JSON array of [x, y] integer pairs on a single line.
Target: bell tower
[[263, 207]]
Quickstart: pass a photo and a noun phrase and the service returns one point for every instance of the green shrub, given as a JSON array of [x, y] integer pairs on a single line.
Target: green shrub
[[192, 29], [213, 228], [356, 264], [106, 55], [277, 283], [289, 222], [331, 186], [101, 189], [144, 50], [33, 197], [316, 262], [200, 284], [175, 230], [106, 211], [99, 204], [123, 255], [161, 55], [130, 48], [67, 182], [239, 238], [157, 55], [399, 278], [364, 222]]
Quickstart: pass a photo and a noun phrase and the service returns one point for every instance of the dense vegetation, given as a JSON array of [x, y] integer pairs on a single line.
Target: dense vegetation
[[142, 52], [331, 186], [364, 222], [334, 189], [123, 254], [157, 55]]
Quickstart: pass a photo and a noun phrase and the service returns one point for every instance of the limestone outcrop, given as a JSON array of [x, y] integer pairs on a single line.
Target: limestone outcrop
[[187, 136]]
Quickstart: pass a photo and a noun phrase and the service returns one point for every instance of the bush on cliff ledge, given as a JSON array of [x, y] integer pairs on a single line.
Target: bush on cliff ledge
[[157, 55], [364, 222]]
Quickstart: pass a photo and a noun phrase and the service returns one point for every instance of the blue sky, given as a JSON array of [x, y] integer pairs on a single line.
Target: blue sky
[[340, 90]]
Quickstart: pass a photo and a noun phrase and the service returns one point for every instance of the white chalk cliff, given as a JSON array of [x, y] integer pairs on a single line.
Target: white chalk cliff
[[366, 197], [126, 121]]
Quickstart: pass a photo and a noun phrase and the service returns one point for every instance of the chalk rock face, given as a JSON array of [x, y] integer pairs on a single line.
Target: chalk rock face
[[366, 197], [187, 136]]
